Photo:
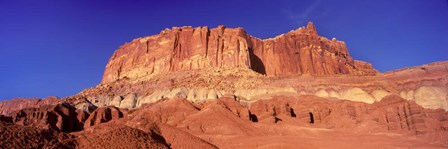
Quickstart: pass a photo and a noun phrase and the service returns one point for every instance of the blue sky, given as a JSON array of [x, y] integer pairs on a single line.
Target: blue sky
[[61, 47]]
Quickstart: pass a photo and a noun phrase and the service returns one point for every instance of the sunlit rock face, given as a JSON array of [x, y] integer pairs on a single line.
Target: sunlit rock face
[[303, 51], [428, 96], [300, 51], [180, 48]]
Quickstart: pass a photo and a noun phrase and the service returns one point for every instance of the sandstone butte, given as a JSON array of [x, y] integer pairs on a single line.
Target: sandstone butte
[[223, 88], [300, 51]]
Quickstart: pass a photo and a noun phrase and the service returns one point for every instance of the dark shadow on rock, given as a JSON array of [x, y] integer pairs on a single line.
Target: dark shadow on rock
[[6, 119], [276, 119], [253, 117], [159, 138], [311, 118], [255, 62], [291, 111]]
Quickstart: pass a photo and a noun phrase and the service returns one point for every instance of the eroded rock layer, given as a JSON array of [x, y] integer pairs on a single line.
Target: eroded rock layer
[[273, 122], [427, 85], [61, 117]]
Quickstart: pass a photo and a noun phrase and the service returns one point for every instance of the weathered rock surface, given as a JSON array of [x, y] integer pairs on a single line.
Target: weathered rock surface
[[303, 51], [217, 118], [8, 106], [180, 123], [430, 86], [102, 115], [17, 136], [392, 114], [300, 51], [120, 136], [169, 111], [60, 117], [399, 115], [141, 130], [427, 85]]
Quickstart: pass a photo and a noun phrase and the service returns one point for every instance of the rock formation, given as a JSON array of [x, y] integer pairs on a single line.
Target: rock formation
[[178, 123], [6, 107], [303, 51], [223, 88], [427, 88], [102, 115], [300, 51], [61, 117], [203, 64]]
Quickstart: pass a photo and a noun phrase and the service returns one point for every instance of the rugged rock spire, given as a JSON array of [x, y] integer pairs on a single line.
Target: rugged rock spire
[[310, 26]]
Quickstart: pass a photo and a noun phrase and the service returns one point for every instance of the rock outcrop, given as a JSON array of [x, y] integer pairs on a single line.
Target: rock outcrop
[[303, 51], [9, 106], [178, 123], [102, 115], [300, 51], [427, 85], [60, 117], [391, 114], [399, 115]]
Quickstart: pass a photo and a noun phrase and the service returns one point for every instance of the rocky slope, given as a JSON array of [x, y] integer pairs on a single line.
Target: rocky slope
[[17, 136], [179, 123]]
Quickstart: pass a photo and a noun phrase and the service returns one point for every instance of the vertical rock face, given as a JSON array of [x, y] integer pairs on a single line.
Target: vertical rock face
[[184, 48], [301, 51]]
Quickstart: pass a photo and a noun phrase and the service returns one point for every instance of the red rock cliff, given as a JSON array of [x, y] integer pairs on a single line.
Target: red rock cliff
[[301, 51]]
